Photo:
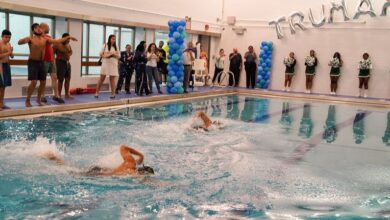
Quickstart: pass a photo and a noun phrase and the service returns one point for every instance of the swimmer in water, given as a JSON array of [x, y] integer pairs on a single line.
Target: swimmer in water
[[202, 121], [128, 167]]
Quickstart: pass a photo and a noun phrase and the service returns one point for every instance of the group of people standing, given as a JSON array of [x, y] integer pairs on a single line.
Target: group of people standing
[[47, 56], [335, 64], [149, 63], [235, 67]]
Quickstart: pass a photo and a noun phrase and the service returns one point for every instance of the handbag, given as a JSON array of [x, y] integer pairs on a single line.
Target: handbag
[[99, 62]]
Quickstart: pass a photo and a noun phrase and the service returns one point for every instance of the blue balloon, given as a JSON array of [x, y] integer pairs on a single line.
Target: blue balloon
[[176, 35], [264, 65], [173, 90], [178, 84], [171, 73], [263, 43], [260, 68], [183, 23], [180, 90], [175, 46], [172, 40], [260, 77], [175, 57], [173, 79], [265, 48], [180, 29], [169, 84]]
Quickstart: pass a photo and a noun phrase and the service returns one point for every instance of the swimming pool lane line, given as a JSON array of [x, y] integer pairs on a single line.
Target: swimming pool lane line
[[305, 147]]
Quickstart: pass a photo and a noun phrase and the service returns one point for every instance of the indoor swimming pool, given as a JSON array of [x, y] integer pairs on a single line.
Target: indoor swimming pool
[[271, 159]]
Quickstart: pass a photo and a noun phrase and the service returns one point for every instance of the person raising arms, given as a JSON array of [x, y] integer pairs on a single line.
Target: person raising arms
[[36, 71]]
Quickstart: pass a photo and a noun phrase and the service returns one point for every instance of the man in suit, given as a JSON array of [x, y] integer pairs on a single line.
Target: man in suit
[[126, 69]]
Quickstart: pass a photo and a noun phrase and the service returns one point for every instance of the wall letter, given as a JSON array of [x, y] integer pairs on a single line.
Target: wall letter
[[337, 7], [321, 21], [384, 9], [368, 10], [294, 22], [277, 22]]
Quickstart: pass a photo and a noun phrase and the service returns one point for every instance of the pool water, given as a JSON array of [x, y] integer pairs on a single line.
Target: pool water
[[272, 159]]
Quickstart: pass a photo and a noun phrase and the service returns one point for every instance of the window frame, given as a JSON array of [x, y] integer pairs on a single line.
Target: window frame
[[85, 60]]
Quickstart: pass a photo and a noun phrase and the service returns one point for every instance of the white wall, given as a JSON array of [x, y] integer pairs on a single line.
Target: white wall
[[350, 39]]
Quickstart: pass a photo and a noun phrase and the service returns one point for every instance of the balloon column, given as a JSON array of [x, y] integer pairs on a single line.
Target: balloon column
[[265, 64], [177, 37]]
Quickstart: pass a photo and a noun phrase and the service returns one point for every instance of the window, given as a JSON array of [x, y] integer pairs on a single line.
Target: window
[[94, 36], [161, 36], [2, 21], [127, 37], [112, 30], [49, 21]]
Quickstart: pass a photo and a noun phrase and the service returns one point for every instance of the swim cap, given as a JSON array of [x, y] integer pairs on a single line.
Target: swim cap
[[145, 170]]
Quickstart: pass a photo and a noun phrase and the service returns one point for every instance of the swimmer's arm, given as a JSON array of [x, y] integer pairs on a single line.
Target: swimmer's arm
[[126, 151], [24, 40], [61, 40], [52, 157]]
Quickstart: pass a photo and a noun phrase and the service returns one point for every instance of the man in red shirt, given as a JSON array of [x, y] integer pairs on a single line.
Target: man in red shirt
[[49, 63]]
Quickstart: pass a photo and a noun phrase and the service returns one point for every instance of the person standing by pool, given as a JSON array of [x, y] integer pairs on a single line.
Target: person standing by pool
[[140, 69], [250, 67], [128, 166], [110, 56], [189, 57], [311, 64], [36, 70], [50, 65], [151, 67], [63, 52], [365, 67], [335, 63], [163, 62], [290, 63], [219, 66], [126, 69], [235, 67], [6, 51]]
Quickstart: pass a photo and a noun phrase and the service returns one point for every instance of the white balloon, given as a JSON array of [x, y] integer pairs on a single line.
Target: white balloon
[[336, 7], [296, 23], [279, 31], [321, 21], [368, 10], [384, 8]]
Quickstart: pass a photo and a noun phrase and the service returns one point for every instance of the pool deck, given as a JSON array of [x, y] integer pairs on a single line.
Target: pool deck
[[88, 101]]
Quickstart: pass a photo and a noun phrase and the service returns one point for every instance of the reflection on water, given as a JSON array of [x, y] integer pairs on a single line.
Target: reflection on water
[[386, 136], [330, 127], [248, 113], [306, 126], [262, 110], [358, 127], [233, 110], [286, 119], [216, 106]]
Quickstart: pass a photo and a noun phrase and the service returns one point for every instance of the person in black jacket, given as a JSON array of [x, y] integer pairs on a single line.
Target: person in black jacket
[[126, 69], [140, 66], [311, 64], [290, 63]]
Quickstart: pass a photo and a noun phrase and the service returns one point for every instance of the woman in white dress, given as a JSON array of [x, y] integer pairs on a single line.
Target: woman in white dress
[[110, 56]]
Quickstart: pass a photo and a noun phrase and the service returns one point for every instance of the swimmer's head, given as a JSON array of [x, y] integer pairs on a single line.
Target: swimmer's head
[[145, 170]]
